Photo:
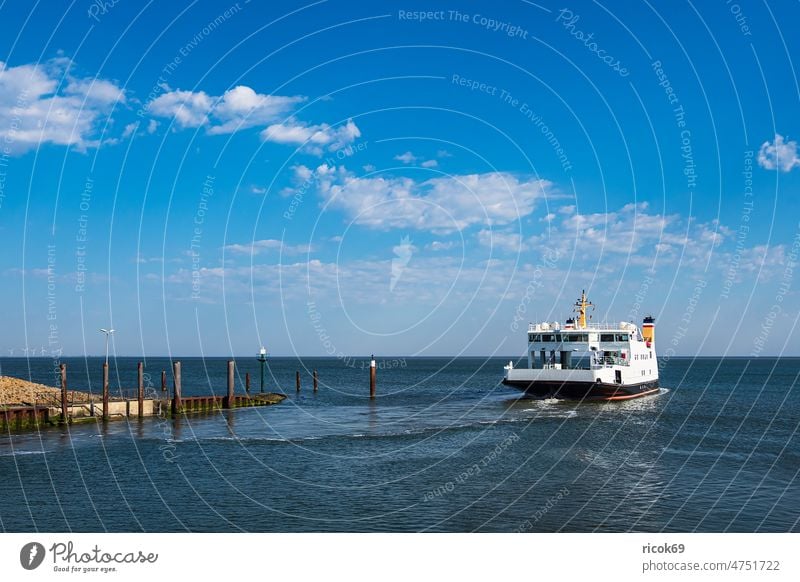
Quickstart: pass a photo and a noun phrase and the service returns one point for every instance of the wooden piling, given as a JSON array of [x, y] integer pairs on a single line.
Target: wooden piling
[[163, 380], [105, 390], [247, 383], [140, 380], [314, 375], [64, 417], [177, 405], [373, 372], [228, 401], [297, 380]]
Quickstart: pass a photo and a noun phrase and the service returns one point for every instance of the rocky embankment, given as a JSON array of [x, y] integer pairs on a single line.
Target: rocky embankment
[[16, 392]]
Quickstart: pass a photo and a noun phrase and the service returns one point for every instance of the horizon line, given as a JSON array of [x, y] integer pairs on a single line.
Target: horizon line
[[392, 356]]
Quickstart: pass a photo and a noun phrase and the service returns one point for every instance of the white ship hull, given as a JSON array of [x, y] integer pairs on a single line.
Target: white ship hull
[[578, 384]]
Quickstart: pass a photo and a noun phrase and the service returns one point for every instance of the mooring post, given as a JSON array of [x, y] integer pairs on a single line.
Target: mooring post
[[63, 393], [140, 380], [247, 383], [373, 371], [176, 396], [105, 390], [228, 401], [297, 380], [163, 390], [314, 375]]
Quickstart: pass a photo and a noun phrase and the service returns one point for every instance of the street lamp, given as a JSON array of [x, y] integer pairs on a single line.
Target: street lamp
[[262, 358], [108, 332]]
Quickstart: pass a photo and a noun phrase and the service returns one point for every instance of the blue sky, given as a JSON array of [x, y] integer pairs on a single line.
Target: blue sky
[[339, 178]]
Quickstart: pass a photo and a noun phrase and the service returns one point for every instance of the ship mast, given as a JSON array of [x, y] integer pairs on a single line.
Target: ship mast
[[580, 307]]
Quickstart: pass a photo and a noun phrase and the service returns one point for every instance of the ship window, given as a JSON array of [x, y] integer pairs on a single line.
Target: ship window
[[622, 337], [606, 337], [557, 337], [547, 337]]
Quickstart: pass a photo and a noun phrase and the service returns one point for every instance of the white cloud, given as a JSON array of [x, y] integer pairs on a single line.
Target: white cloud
[[132, 128], [779, 154], [438, 245], [238, 108], [257, 190], [44, 103], [442, 204], [624, 231], [241, 107], [631, 235], [505, 241], [314, 138], [425, 280], [302, 173], [259, 247], [766, 260], [95, 91], [406, 158], [446, 279], [634, 237], [410, 158], [444, 154], [129, 130], [189, 109]]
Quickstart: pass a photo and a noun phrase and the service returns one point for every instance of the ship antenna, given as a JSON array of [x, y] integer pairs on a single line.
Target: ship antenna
[[581, 305]]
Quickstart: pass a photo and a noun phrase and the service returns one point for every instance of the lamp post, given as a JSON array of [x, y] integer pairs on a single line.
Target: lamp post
[[108, 332], [262, 358]]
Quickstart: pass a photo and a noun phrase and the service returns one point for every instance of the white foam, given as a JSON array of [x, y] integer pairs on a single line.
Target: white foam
[[20, 453]]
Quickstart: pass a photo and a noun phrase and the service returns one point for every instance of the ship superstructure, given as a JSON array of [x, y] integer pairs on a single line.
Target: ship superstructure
[[588, 361]]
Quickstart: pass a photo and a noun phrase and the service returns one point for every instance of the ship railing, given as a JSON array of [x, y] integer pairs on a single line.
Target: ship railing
[[606, 325], [608, 361]]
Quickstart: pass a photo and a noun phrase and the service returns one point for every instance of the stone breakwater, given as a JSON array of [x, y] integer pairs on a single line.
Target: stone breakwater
[[17, 392], [27, 405]]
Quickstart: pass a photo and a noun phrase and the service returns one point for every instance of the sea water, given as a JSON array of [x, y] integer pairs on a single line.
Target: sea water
[[444, 447]]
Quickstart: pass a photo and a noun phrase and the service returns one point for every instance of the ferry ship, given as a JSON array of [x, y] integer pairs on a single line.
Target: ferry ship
[[588, 361]]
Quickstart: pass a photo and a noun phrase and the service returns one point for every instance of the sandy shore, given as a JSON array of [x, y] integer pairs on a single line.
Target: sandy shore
[[15, 392]]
